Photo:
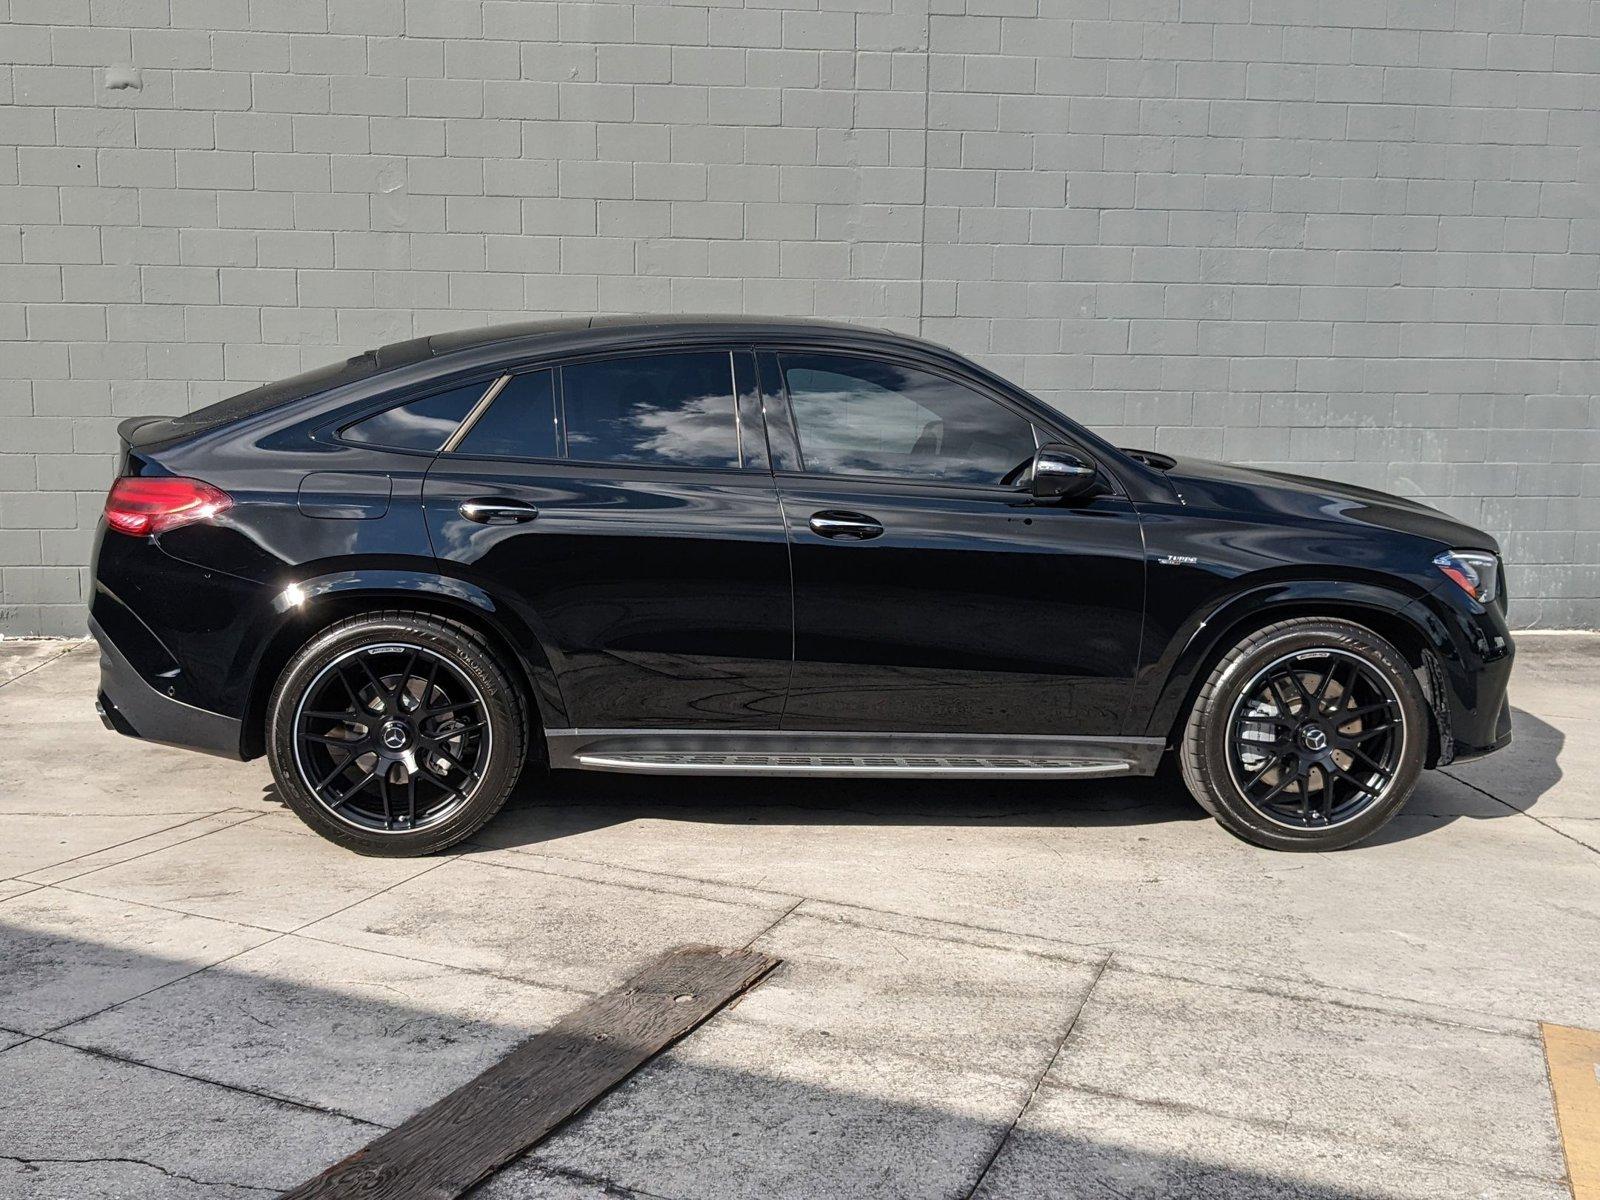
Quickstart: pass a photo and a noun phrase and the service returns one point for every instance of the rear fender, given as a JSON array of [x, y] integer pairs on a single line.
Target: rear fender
[[298, 610]]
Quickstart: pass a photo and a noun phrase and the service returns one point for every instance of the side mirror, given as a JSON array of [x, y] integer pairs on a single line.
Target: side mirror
[[1060, 474]]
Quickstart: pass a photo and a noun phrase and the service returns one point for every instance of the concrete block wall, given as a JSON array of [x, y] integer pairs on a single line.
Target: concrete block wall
[[1359, 239]]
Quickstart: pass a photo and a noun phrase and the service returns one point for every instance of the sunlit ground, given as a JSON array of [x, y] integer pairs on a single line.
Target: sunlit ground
[[988, 989]]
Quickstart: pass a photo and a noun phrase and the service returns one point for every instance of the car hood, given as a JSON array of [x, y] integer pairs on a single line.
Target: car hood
[[1259, 494]]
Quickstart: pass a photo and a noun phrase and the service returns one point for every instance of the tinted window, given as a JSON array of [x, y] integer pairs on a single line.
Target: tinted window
[[521, 423], [418, 424], [857, 416], [669, 409]]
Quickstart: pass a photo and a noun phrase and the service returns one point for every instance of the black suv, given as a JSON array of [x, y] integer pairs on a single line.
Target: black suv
[[766, 547]]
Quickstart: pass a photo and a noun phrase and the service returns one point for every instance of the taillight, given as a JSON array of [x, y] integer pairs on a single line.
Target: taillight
[[140, 506]]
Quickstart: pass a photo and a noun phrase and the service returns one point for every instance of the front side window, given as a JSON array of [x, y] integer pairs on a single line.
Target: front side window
[[859, 416], [672, 410], [521, 423], [421, 424]]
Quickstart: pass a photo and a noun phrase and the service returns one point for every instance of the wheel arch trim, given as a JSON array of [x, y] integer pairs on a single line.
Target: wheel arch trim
[[1208, 634], [302, 608]]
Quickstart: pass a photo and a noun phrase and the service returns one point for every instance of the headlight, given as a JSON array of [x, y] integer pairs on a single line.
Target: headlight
[[1473, 571]]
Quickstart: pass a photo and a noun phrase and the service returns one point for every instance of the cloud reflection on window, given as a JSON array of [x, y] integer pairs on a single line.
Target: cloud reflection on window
[[859, 417], [670, 409], [421, 424]]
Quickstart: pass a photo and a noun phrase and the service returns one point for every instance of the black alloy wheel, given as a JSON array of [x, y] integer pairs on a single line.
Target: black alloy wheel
[[391, 737], [1308, 734], [1315, 739], [396, 733]]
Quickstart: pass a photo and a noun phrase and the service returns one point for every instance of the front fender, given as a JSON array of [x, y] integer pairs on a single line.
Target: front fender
[[1167, 683]]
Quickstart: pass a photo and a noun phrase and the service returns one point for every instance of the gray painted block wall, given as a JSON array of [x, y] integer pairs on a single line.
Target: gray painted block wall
[[1356, 238]]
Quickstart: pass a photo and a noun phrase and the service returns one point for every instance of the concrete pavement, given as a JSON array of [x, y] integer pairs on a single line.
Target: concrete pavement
[[988, 990]]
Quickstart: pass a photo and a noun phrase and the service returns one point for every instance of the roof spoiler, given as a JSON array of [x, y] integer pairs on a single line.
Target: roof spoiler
[[128, 430]]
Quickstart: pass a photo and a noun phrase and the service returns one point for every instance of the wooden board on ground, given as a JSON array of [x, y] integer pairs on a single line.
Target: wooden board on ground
[[484, 1124]]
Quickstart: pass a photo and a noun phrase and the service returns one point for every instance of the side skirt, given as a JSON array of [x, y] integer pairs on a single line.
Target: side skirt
[[853, 755]]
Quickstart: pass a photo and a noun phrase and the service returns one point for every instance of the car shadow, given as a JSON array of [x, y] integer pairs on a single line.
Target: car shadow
[[548, 805], [1507, 783], [556, 804]]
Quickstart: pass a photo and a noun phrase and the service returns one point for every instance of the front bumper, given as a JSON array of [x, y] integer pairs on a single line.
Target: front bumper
[[1468, 664], [131, 705]]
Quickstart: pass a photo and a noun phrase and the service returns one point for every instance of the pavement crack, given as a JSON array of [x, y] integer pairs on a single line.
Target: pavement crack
[[269, 1097], [1292, 989], [38, 666], [1522, 811], [36, 1162], [128, 842], [524, 981], [779, 920], [23, 1040], [608, 1187], [1292, 1126], [533, 868], [67, 814], [1066, 1036], [988, 939], [992, 936]]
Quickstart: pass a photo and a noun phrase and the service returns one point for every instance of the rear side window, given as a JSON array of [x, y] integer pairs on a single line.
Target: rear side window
[[421, 424], [662, 409], [521, 423]]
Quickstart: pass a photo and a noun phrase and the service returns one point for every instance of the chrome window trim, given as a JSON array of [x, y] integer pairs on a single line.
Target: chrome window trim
[[738, 422], [478, 409], [335, 431]]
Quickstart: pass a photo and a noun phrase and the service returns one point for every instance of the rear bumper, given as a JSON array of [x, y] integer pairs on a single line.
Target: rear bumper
[[133, 706]]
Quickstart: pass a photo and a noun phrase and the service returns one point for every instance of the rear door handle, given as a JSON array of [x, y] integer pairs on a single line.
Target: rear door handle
[[498, 512], [850, 526]]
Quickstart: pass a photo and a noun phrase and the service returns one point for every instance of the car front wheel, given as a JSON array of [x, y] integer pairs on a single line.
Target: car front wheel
[[1309, 734], [395, 734]]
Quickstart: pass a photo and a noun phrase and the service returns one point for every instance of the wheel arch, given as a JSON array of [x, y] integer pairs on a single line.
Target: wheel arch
[[1386, 611], [304, 609]]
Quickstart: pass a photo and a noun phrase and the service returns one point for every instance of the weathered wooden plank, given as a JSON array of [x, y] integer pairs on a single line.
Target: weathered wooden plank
[[482, 1125]]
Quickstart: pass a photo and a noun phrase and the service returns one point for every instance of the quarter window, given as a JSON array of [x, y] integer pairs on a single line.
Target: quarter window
[[664, 409], [860, 416], [521, 423], [421, 424]]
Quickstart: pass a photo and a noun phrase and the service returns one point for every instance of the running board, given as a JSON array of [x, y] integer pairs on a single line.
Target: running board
[[850, 755], [856, 766]]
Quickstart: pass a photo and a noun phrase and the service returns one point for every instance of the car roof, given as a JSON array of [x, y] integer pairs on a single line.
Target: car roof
[[420, 360], [576, 332], [489, 345]]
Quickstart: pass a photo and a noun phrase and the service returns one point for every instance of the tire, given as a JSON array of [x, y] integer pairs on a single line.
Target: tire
[[1251, 729], [415, 708]]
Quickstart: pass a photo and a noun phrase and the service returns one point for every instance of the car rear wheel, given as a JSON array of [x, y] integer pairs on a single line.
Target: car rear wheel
[[395, 734], [1309, 734]]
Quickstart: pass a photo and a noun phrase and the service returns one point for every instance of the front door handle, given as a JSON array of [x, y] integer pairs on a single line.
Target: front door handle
[[498, 512], [851, 526]]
